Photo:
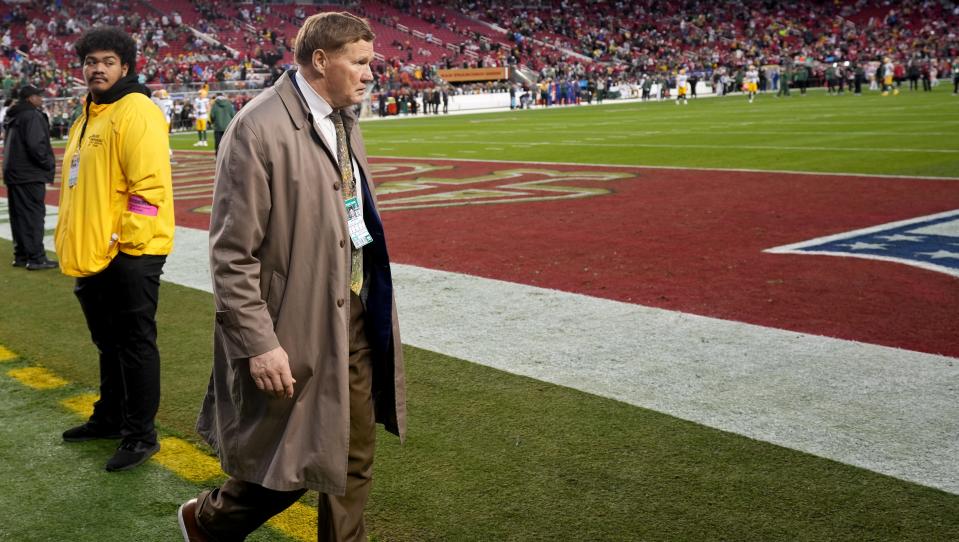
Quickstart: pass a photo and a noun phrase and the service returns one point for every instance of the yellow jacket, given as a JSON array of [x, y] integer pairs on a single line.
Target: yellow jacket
[[123, 196]]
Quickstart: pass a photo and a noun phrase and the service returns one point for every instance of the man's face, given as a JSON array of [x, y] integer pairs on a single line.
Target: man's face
[[347, 73], [101, 70], [36, 100]]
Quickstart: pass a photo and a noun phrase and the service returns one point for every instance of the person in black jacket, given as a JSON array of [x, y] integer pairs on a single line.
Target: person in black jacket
[[28, 165]]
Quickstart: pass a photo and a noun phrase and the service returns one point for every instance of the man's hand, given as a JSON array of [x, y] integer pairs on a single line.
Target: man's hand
[[271, 373]]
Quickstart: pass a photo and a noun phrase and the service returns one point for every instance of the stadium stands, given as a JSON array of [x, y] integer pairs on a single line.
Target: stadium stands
[[187, 43], [644, 35]]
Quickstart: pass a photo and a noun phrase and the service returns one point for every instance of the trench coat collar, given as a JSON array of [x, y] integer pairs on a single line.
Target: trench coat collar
[[299, 111], [314, 102], [292, 100]]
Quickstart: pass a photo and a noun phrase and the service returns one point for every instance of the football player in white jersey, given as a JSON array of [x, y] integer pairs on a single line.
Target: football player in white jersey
[[681, 82], [201, 113], [751, 82], [162, 99], [888, 77]]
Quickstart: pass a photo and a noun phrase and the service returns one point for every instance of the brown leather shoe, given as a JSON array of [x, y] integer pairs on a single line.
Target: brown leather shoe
[[192, 532]]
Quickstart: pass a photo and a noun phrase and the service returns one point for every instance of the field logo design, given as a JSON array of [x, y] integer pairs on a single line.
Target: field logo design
[[417, 185], [514, 185], [930, 242], [192, 176]]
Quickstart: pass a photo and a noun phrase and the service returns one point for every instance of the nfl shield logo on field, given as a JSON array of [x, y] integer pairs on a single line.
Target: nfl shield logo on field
[[930, 242]]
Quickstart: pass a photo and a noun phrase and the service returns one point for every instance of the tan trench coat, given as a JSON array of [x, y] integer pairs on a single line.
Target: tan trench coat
[[280, 255]]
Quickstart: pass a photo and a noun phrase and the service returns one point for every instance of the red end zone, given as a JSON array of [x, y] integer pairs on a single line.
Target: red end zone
[[684, 240]]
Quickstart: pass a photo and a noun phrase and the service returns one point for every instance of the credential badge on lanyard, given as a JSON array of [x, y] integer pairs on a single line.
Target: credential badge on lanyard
[[74, 169], [354, 217]]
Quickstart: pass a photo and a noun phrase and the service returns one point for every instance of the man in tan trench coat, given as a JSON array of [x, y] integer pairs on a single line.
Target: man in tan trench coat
[[307, 354]]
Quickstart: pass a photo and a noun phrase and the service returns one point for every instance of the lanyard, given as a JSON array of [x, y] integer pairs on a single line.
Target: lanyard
[[86, 119]]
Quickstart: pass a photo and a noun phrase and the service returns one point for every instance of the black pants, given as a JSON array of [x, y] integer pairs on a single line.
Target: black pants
[[120, 306], [26, 221], [217, 136]]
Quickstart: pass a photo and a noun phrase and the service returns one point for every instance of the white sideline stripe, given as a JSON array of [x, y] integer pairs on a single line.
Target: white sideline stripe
[[884, 409], [725, 147], [888, 410], [680, 168], [708, 129]]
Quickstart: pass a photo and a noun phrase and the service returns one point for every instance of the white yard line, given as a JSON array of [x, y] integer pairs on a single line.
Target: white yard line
[[643, 166], [884, 409], [708, 130], [871, 150]]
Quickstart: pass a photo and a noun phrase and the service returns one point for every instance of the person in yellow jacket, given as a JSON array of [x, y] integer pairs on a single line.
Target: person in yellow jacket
[[114, 231]]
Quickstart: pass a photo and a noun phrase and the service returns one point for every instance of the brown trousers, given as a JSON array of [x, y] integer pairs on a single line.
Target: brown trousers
[[237, 508]]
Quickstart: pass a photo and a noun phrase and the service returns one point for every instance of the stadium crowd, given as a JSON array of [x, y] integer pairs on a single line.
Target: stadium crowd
[[630, 40], [630, 46]]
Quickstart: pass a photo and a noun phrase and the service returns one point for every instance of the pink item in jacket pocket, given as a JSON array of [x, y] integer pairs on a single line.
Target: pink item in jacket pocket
[[138, 205]]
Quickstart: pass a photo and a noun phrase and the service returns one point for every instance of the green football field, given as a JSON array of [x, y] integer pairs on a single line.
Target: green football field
[[910, 134], [494, 456]]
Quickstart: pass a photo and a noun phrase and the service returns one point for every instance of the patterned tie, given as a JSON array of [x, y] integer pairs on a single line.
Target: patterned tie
[[349, 191]]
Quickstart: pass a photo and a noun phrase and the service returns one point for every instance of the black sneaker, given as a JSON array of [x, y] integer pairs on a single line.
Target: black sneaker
[[85, 432], [131, 453], [19, 263], [40, 266]]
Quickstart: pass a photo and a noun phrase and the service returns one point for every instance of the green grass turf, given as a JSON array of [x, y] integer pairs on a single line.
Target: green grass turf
[[909, 134], [490, 456], [59, 491], [493, 456]]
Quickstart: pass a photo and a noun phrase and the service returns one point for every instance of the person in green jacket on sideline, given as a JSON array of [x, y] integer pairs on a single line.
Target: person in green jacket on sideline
[[802, 78], [784, 81], [221, 114]]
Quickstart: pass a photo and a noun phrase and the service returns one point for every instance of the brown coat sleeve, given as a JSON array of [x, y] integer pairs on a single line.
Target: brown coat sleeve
[[240, 216]]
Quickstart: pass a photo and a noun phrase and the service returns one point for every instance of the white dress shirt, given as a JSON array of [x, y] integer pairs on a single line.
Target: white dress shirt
[[324, 125]]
